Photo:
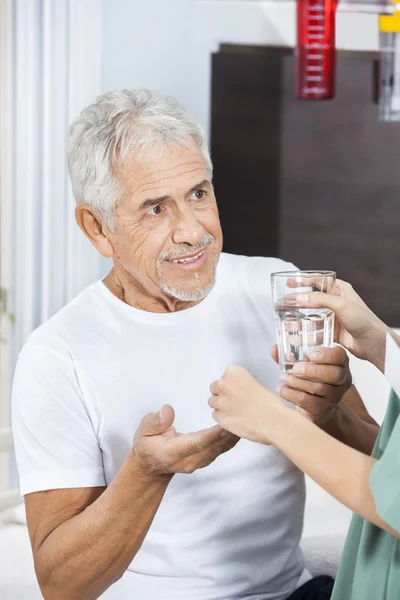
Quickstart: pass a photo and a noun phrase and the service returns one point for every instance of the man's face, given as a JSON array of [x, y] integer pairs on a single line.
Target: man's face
[[167, 231]]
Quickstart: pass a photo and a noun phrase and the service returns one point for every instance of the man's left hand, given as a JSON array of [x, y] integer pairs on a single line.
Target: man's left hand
[[317, 387]]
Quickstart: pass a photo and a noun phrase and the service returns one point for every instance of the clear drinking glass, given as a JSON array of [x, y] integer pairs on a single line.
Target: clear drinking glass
[[301, 330]]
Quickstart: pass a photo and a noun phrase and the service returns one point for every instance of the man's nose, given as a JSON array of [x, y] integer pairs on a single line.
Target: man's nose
[[187, 229]]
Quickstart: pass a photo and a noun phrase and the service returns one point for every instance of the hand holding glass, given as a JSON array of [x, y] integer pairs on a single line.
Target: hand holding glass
[[301, 330]]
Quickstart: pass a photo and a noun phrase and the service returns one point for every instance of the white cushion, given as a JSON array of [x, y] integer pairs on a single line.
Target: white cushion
[[17, 575]]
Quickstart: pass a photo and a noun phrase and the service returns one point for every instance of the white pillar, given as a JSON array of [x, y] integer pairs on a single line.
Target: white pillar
[[5, 219], [57, 72]]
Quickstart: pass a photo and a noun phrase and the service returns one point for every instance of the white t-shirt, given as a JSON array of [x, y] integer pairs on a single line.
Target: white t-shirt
[[87, 377]]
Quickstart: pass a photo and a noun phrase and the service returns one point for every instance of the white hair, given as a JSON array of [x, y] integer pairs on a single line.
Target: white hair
[[116, 125]]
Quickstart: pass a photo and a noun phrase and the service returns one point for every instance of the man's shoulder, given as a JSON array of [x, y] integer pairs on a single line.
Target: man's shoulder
[[254, 266], [69, 322]]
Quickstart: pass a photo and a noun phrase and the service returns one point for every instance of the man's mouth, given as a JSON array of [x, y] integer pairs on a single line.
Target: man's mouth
[[190, 261]]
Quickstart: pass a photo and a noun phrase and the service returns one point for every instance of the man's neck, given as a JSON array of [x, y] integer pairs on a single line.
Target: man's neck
[[130, 291]]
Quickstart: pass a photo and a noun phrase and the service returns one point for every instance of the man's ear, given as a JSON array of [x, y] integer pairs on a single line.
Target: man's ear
[[92, 227]]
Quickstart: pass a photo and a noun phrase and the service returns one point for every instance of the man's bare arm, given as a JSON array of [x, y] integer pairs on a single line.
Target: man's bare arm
[[352, 424], [84, 539]]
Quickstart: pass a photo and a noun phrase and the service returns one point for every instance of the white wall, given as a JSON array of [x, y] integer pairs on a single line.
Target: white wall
[[273, 22], [158, 44], [166, 44]]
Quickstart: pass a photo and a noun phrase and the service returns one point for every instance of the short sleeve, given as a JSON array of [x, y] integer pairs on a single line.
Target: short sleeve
[[392, 364], [385, 478], [55, 443]]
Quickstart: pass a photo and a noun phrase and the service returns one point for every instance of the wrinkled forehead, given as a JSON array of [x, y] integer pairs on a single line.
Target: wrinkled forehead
[[162, 171]]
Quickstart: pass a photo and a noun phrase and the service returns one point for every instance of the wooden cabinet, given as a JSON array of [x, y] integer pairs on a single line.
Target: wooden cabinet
[[316, 183]]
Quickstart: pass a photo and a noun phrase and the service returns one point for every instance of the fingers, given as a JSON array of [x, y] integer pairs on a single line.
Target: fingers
[[313, 405], [228, 441], [317, 283], [330, 356], [158, 422], [224, 421], [167, 415], [192, 443], [274, 354], [205, 457], [214, 387], [313, 388], [319, 300], [215, 402], [216, 416], [320, 283], [224, 442], [321, 294], [233, 375], [329, 374], [329, 366]]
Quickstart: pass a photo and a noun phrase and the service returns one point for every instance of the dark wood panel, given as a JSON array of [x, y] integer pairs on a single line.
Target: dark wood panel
[[317, 183], [245, 103]]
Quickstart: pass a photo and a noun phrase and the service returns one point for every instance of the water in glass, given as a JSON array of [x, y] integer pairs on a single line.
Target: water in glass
[[300, 331]]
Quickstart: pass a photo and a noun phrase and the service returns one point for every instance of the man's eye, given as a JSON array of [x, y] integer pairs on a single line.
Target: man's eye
[[198, 195], [156, 210]]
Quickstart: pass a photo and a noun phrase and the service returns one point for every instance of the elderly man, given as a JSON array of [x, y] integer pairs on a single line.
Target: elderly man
[[116, 504]]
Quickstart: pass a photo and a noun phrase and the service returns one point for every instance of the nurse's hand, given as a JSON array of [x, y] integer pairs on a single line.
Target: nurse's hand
[[246, 408], [159, 450], [357, 328], [317, 387]]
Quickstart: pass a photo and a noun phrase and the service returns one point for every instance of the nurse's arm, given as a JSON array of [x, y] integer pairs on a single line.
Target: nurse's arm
[[342, 471]]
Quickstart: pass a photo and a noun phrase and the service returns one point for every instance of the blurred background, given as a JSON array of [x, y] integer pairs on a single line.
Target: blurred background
[[301, 100]]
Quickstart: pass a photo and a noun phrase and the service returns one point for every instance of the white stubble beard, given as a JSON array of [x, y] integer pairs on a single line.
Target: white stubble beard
[[185, 296]]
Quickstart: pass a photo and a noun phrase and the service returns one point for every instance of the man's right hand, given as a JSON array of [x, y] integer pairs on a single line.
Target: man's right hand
[[160, 450]]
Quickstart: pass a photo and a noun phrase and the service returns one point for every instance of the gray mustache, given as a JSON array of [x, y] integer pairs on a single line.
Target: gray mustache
[[188, 249]]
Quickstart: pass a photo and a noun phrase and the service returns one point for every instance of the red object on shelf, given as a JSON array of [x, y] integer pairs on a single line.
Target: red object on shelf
[[316, 49]]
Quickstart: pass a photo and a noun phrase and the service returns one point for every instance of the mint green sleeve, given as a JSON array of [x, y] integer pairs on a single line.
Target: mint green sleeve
[[385, 477]]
